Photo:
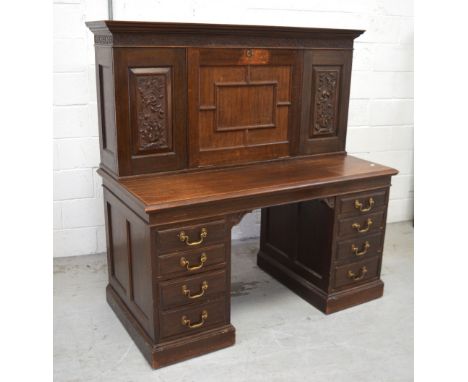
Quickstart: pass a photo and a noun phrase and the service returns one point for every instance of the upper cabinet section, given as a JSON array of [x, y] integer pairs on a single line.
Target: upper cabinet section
[[175, 96]]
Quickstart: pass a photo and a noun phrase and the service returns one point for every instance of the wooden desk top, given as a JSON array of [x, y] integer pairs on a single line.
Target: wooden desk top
[[158, 192]]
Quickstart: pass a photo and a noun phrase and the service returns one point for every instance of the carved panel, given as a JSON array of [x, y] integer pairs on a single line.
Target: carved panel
[[326, 84], [152, 112], [151, 104]]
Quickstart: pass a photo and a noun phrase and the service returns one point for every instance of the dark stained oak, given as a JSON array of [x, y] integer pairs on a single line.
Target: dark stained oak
[[173, 96], [172, 190], [242, 104], [367, 246], [200, 124], [372, 201], [168, 240], [362, 272], [169, 264], [171, 319], [131, 33], [150, 97], [325, 95], [192, 290], [369, 223]]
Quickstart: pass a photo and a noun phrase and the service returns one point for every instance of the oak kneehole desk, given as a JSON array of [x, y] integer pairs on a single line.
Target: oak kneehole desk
[[200, 124]]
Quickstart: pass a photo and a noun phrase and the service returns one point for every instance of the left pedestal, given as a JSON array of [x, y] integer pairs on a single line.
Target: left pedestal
[[169, 284]]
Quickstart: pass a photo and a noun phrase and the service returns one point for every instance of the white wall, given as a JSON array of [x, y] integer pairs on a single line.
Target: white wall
[[380, 114]]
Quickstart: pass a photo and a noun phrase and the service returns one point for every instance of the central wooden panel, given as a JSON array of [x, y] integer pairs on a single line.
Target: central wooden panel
[[245, 106], [240, 104]]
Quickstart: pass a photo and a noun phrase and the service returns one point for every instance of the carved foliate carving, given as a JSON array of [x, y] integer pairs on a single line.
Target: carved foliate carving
[[152, 112], [326, 101]]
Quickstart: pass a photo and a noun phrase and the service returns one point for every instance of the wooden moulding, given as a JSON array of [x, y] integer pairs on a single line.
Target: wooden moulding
[[167, 353], [132, 33]]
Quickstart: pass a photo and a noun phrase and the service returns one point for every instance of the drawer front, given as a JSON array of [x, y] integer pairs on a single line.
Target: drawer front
[[352, 274], [190, 237], [359, 226], [359, 248], [190, 290], [191, 262], [358, 204], [192, 320]]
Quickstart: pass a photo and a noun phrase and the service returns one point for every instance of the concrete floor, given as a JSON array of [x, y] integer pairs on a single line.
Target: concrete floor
[[279, 337]]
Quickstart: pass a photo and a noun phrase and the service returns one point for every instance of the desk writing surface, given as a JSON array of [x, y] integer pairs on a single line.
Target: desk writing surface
[[174, 190]]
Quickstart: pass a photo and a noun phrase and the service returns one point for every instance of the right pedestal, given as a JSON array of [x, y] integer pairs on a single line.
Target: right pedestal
[[328, 251]]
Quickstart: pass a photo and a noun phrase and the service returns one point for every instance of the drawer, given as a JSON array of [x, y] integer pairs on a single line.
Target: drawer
[[190, 237], [358, 204], [359, 248], [191, 262], [359, 226], [193, 289], [356, 273], [194, 319]]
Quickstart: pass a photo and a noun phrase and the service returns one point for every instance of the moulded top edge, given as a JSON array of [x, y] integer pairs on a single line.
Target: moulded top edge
[[199, 28]]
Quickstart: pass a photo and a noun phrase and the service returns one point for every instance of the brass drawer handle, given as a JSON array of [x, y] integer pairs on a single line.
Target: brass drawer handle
[[359, 206], [186, 291], [186, 264], [358, 228], [184, 237], [186, 322], [360, 276], [355, 249]]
